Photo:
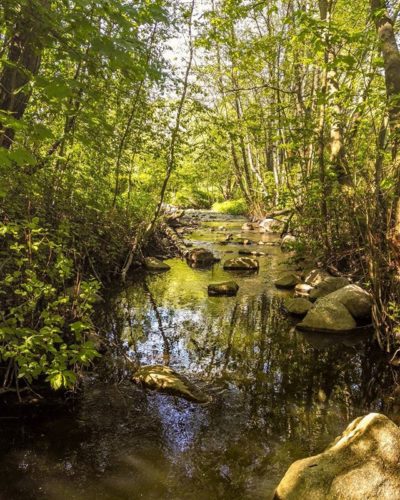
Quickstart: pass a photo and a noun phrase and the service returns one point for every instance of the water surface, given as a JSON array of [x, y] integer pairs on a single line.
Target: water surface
[[277, 395]]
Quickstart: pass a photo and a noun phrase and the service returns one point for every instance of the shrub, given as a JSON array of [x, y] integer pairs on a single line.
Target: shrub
[[233, 207], [45, 309]]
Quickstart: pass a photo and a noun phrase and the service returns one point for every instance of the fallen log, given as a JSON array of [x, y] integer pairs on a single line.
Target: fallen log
[[174, 238]]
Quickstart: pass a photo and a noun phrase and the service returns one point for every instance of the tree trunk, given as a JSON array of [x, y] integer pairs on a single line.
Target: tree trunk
[[391, 57], [23, 62]]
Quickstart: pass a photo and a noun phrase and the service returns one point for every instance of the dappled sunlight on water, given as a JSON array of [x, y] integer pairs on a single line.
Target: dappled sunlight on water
[[276, 395]]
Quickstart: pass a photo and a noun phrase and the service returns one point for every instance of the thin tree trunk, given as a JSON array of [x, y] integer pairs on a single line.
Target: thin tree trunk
[[171, 159], [131, 116]]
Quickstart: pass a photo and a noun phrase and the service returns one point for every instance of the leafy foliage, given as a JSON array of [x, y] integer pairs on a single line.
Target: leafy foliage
[[46, 323]]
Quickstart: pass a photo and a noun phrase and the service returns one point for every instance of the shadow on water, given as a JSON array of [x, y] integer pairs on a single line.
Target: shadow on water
[[277, 395]]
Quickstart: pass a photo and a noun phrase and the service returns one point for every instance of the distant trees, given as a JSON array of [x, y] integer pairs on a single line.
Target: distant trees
[[302, 95]]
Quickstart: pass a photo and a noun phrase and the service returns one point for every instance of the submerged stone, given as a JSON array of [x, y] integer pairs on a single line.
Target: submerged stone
[[241, 263], [329, 316], [166, 380], [229, 288], [200, 257], [298, 306], [246, 251], [287, 280], [362, 463], [153, 264], [243, 241]]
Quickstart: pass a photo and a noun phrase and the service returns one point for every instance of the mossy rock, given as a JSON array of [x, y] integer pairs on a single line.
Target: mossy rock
[[298, 306], [241, 264], [328, 316], [356, 300], [166, 380], [327, 286], [243, 241], [316, 276], [229, 288], [153, 264], [247, 251], [200, 257], [287, 280], [362, 463]]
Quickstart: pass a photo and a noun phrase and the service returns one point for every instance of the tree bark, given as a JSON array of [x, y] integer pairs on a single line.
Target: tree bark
[[391, 57], [23, 62]]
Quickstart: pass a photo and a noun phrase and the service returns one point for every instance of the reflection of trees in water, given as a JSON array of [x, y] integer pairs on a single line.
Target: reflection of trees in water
[[278, 397]]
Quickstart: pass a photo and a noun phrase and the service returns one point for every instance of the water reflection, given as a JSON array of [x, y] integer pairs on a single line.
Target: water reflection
[[277, 395]]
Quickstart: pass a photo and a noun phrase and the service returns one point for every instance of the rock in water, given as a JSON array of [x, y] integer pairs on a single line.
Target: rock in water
[[271, 226], [315, 277], [246, 251], [166, 380], [229, 288], [329, 316], [287, 280], [302, 290], [356, 300], [327, 286], [243, 241], [247, 226], [241, 264], [200, 257], [288, 243], [363, 463], [298, 306], [153, 264]]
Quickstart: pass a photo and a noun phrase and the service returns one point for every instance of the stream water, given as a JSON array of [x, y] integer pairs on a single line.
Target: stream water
[[277, 394]]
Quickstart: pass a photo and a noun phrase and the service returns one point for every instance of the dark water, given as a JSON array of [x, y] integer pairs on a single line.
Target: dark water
[[277, 395]]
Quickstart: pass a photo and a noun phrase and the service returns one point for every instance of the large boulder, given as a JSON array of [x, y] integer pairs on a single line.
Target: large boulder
[[315, 277], [229, 288], [271, 226], [241, 264], [363, 463], [327, 286], [153, 264], [287, 280], [200, 257], [357, 300], [298, 306], [166, 380], [328, 315]]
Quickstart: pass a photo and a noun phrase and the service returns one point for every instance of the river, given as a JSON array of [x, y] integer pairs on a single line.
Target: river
[[277, 394]]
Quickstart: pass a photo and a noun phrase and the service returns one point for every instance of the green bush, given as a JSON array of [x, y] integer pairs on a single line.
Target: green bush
[[46, 308], [233, 207], [192, 198]]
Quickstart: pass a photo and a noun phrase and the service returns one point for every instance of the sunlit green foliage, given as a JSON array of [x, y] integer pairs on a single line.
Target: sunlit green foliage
[[233, 207], [46, 317]]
